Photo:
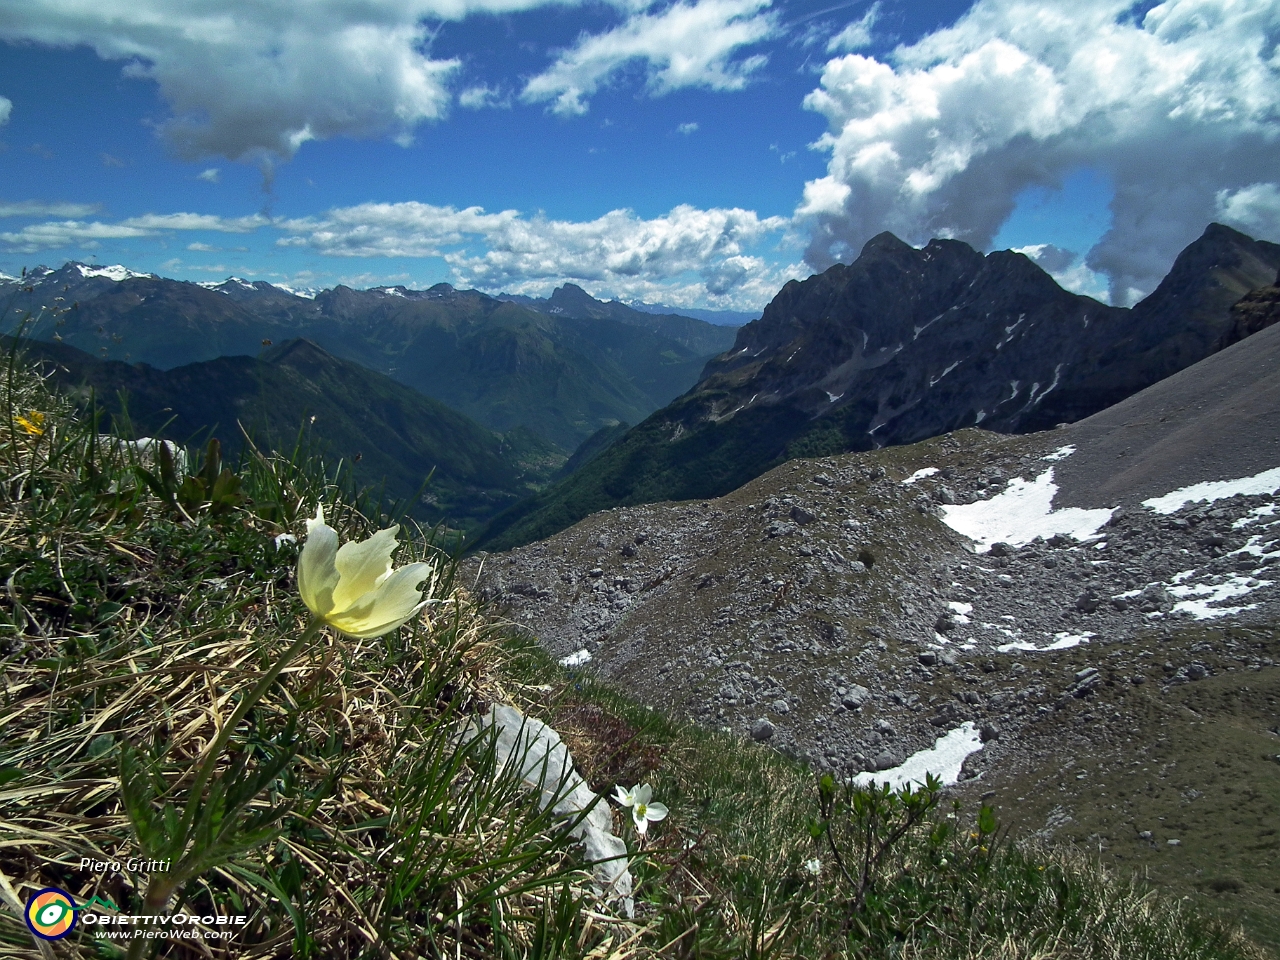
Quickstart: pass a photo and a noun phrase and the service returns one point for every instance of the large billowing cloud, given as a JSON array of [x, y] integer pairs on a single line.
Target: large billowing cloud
[[686, 256], [249, 78], [1178, 107], [684, 45], [255, 79]]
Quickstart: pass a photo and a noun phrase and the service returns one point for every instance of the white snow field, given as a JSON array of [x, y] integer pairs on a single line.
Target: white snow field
[[1022, 512], [1266, 482], [944, 760]]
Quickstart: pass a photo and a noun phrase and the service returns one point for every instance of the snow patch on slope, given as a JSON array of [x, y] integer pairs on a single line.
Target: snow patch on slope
[[1022, 512], [944, 760], [920, 475], [116, 272], [1260, 483], [1061, 641]]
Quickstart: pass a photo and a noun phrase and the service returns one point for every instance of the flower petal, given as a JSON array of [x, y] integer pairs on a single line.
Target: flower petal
[[317, 574], [656, 811], [624, 797], [366, 628], [643, 793], [363, 566], [389, 605]]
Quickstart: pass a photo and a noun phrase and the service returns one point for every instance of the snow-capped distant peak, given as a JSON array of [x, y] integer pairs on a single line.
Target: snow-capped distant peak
[[306, 294], [5, 278], [115, 272], [221, 285]]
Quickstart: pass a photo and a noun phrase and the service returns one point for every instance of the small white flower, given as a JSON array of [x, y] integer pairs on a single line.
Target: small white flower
[[814, 866], [284, 538], [643, 809]]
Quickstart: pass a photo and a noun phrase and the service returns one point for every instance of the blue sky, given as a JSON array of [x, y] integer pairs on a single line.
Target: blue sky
[[696, 153]]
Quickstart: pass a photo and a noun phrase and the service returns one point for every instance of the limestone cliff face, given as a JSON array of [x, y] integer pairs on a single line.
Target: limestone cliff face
[[1253, 312], [904, 344]]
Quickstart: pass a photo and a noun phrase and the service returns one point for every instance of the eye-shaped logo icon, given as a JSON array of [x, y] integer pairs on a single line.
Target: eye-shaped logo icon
[[51, 913]]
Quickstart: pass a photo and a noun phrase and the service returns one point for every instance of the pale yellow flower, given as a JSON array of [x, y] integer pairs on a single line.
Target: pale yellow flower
[[353, 588]]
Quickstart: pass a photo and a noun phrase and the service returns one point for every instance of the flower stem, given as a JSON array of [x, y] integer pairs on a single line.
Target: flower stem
[[246, 704]]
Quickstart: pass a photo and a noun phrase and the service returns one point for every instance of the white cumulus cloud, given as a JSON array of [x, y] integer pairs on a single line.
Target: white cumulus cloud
[[67, 233], [1255, 208], [857, 34], [249, 79], [482, 96], [53, 235], [6, 108], [685, 256], [197, 221], [212, 175], [38, 208], [685, 45], [1176, 108]]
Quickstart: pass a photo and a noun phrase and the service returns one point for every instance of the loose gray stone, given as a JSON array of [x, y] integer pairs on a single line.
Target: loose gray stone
[[762, 730], [854, 697], [802, 516], [1087, 602], [530, 750], [887, 760]]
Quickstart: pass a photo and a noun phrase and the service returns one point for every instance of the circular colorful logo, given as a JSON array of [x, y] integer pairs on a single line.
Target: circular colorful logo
[[51, 913]]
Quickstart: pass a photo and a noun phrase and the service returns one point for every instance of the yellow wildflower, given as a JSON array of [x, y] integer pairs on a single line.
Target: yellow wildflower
[[32, 424]]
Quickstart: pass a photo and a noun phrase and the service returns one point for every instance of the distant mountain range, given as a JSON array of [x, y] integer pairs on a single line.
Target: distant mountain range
[[905, 344], [386, 432], [723, 318], [560, 375], [572, 301]]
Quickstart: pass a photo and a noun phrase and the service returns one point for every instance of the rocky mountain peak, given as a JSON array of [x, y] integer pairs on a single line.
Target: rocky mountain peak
[[299, 353], [572, 299], [905, 344]]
